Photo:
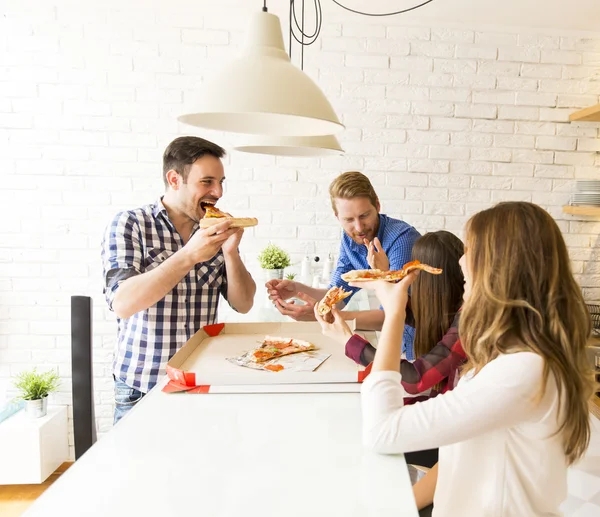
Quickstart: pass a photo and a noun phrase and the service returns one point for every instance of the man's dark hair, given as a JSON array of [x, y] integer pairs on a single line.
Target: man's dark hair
[[182, 152]]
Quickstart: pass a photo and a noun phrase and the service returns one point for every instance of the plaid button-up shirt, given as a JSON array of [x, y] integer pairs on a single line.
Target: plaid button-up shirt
[[397, 239], [135, 242]]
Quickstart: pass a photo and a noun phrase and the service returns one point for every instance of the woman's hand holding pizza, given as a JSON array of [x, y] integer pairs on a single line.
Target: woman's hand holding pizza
[[393, 297], [338, 330]]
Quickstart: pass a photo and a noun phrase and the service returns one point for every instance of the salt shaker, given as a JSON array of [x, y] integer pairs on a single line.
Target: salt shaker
[[306, 273], [327, 268]]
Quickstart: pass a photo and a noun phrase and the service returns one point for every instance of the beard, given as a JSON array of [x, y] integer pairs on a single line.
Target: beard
[[194, 212], [368, 234]]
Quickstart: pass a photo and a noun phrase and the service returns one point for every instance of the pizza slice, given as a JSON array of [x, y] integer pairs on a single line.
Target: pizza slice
[[368, 275], [411, 266], [333, 296], [362, 275], [274, 346], [212, 216]]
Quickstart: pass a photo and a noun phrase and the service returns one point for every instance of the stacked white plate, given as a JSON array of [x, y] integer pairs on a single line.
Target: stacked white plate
[[588, 193]]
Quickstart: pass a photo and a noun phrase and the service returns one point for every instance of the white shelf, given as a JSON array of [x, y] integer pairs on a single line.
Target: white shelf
[[32, 449]]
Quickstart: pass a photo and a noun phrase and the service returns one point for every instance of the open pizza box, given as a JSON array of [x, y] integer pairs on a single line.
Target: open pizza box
[[203, 364]]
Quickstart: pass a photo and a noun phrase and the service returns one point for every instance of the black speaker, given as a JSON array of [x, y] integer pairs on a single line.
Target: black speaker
[[84, 422]]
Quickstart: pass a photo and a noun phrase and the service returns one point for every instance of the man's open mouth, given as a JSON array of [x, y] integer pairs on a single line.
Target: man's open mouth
[[204, 204]]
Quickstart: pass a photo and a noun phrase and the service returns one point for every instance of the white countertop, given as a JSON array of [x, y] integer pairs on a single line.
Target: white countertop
[[233, 455]]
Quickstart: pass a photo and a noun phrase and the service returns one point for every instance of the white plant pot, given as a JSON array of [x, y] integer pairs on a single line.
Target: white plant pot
[[36, 408], [273, 274]]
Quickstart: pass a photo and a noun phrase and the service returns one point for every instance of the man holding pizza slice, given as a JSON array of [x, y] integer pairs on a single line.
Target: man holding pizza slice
[[164, 269], [370, 239]]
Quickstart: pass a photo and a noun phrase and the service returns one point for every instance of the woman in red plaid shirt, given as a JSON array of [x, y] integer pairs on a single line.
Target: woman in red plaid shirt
[[434, 312]]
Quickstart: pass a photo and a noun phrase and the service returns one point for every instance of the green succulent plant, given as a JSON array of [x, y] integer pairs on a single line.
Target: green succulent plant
[[273, 257], [33, 385]]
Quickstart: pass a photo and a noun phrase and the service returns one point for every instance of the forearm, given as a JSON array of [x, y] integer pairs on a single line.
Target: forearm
[[389, 346], [424, 489], [142, 291], [317, 294], [240, 285], [366, 320], [498, 397]]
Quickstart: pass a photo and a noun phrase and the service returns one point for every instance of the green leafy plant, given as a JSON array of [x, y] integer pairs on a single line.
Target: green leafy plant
[[33, 385], [290, 276], [273, 257]]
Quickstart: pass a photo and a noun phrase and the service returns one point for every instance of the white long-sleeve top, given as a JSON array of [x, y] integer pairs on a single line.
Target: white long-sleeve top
[[498, 456]]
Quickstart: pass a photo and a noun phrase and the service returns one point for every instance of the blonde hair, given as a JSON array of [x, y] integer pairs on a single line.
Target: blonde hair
[[524, 298], [349, 185]]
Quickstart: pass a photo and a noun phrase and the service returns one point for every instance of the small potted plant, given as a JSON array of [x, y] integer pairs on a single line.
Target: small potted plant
[[273, 260], [34, 388], [290, 276]]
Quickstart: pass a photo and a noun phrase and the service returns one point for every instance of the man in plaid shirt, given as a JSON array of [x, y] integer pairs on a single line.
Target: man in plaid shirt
[[369, 239], [163, 274]]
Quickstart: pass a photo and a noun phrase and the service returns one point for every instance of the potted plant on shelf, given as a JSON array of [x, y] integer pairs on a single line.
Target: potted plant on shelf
[[273, 260], [33, 388]]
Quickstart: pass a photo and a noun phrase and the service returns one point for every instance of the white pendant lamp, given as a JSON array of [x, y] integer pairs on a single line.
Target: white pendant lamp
[[305, 146], [262, 93]]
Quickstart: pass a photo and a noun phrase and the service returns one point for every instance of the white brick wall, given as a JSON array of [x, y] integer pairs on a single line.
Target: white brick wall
[[446, 121]]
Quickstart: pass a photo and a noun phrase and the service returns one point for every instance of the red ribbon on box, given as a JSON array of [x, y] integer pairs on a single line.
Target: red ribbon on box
[[186, 381]]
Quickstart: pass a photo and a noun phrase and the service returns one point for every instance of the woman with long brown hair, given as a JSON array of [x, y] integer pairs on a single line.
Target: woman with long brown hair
[[434, 312], [519, 415]]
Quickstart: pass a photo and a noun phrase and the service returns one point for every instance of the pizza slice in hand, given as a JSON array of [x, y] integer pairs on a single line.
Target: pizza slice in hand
[[212, 216], [369, 275], [333, 296], [274, 346], [411, 266]]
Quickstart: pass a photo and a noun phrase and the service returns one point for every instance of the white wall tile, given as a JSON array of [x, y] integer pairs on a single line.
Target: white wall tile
[[445, 121]]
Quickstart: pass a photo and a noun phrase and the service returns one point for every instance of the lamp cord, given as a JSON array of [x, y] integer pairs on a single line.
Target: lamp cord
[[297, 30], [302, 47], [382, 14], [298, 33], [305, 39]]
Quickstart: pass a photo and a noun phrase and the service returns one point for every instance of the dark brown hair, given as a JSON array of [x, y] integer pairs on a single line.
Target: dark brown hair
[[524, 298], [435, 299], [182, 152]]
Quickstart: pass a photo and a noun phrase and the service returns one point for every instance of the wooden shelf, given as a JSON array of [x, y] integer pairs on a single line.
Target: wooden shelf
[[595, 406], [591, 114], [581, 210]]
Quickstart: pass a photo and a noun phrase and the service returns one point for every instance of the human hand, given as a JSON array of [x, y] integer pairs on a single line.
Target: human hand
[[206, 242], [281, 289], [334, 327], [296, 311], [232, 244], [393, 296], [376, 257]]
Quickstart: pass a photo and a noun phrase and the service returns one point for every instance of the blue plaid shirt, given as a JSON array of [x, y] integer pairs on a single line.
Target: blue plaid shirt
[[135, 242], [397, 239]]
